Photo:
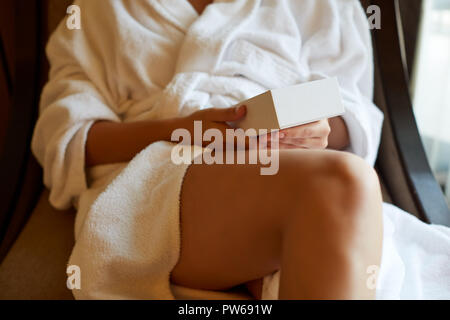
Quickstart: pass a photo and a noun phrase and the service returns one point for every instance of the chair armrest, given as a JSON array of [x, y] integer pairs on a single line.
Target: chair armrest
[[426, 192], [19, 174]]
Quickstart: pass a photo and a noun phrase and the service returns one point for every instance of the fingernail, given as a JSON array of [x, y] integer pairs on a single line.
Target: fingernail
[[240, 108]]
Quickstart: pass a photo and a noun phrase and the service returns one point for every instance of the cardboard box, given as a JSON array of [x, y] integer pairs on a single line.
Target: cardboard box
[[293, 106]]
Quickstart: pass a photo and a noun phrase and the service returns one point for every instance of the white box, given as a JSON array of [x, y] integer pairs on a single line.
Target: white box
[[292, 106]]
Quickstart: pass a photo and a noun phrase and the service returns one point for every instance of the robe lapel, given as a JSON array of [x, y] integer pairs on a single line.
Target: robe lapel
[[208, 36], [178, 12]]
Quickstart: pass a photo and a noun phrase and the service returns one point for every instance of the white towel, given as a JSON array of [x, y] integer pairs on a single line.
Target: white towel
[[150, 59]]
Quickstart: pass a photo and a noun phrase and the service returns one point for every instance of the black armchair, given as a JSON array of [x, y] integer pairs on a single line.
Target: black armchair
[[402, 163]]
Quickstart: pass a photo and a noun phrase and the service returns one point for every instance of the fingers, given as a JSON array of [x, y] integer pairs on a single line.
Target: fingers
[[314, 130], [215, 118], [311, 130], [286, 146], [225, 114], [239, 141], [313, 143], [309, 136], [278, 141], [310, 143], [293, 143], [313, 135]]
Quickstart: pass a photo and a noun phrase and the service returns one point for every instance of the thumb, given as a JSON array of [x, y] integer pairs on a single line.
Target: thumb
[[228, 114]]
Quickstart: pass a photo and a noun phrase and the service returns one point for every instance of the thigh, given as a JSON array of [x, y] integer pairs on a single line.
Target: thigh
[[232, 217]]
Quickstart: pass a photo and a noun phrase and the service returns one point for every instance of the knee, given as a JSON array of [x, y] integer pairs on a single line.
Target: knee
[[350, 189], [342, 185], [351, 177], [335, 186]]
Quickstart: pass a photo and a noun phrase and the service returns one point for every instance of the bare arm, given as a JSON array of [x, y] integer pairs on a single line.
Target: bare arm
[[110, 142], [339, 138]]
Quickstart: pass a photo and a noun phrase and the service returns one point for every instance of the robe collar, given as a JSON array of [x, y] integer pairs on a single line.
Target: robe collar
[[207, 34], [178, 12]]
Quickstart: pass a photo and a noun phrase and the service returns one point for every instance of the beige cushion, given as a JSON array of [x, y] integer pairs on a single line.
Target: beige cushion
[[35, 267]]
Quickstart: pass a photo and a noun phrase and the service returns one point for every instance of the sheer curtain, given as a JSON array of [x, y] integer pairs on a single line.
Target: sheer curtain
[[431, 88]]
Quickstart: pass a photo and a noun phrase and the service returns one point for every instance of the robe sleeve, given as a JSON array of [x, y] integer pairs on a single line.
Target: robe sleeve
[[343, 49], [75, 96]]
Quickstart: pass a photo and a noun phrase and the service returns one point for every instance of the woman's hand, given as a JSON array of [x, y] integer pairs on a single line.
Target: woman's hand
[[313, 135], [213, 118]]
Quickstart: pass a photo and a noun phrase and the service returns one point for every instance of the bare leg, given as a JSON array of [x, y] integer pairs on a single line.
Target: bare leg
[[318, 220], [255, 287]]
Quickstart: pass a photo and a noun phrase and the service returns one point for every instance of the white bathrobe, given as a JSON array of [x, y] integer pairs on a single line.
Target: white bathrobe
[[153, 59]]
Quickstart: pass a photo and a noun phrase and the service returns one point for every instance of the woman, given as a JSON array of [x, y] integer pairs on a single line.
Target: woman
[[138, 70]]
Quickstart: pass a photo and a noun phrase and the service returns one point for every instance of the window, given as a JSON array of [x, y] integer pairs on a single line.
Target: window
[[431, 88]]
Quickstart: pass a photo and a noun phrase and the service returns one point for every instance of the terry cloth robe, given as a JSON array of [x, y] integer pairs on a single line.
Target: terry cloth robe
[[156, 59]]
